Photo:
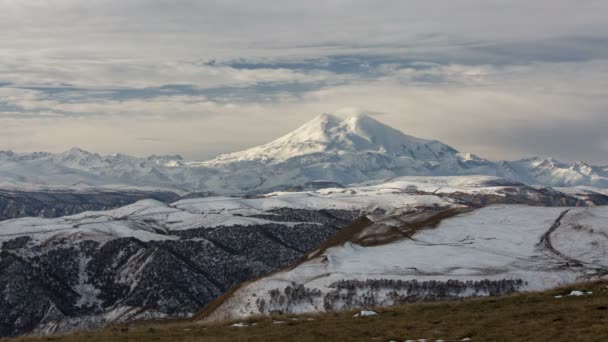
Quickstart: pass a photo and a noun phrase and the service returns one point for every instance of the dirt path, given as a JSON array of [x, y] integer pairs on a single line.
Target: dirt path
[[545, 241]]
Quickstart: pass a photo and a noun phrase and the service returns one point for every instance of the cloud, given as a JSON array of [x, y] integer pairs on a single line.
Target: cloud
[[497, 112], [139, 74], [159, 140], [490, 77], [574, 138]]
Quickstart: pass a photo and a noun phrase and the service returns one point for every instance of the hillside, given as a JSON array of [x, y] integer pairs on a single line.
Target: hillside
[[434, 255], [544, 316], [156, 260], [45, 202]]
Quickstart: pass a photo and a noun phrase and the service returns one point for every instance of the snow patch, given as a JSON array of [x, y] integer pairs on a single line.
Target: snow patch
[[365, 313]]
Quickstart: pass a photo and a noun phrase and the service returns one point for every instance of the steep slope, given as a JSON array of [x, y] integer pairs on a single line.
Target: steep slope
[[146, 260], [490, 251], [332, 134], [341, 150]]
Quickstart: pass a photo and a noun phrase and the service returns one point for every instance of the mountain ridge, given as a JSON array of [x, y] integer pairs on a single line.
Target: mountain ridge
[[339, 149]]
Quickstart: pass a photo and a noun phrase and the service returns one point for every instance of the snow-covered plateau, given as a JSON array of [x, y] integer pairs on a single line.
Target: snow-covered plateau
[[329, 148], [489, 251]]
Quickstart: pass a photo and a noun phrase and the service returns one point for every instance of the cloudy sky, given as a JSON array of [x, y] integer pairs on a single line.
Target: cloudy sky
[[499, 78]]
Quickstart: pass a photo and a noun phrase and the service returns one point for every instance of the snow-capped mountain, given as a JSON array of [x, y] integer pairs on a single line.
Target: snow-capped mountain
[[343, 150], [553, 172], [333, 135], [330, 148], [152, 259]]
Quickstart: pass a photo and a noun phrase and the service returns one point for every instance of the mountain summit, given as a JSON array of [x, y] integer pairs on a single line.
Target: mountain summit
[[343, 150], [336, 135]]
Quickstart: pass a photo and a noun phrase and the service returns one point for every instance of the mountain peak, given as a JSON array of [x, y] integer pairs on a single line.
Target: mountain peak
[[339, 134], [75, 151], [343, 116], [352, 121], [78, 157], [343, 147], [331, 124]]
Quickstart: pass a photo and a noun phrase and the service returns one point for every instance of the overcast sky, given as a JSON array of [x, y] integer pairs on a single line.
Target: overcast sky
[[503, 79]]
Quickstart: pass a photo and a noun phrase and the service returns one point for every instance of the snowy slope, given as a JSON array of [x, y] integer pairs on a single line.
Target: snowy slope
[[331, 148], [154, 220], [77, 168], [492, 250], [335, 135], [107, 266]]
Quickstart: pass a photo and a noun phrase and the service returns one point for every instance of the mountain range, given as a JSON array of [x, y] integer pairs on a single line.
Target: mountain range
[[329, 148], [356, 209], [151, 260]]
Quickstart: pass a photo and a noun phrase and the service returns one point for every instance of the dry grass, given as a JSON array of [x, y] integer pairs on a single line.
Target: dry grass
[[412, 224], [522, 317], [343, 235], [357, 231]]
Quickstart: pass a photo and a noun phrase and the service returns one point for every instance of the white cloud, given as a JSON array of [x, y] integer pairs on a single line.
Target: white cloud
[[211, 24], [487, 69], [483, 114]]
